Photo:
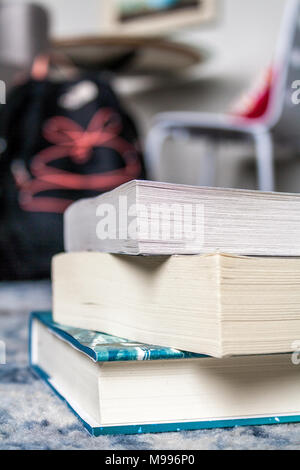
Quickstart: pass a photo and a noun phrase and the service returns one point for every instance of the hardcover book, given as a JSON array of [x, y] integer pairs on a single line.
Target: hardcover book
[[151, 218], [116, 386], [218, 305]]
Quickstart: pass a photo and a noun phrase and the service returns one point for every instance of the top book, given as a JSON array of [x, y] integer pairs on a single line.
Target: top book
[[151, 218]]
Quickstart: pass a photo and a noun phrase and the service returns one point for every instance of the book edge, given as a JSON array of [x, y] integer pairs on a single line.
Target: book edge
[[64, 336]]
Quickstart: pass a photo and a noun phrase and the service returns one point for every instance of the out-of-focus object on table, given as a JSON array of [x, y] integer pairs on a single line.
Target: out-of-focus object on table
[[24, 33]]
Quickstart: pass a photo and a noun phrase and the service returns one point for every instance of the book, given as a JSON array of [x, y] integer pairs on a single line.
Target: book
[[116, 386], [152, 218], [218, 305]]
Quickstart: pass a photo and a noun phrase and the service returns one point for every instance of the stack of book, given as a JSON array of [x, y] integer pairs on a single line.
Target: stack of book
[[175, 307]]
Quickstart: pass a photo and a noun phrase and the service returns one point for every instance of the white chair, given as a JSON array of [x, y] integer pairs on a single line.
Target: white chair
[[280, 121]]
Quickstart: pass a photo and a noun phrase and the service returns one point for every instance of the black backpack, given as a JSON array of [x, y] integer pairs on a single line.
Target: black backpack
[[59, 141]]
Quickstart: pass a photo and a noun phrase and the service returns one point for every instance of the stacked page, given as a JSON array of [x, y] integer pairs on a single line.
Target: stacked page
[[143, 217]]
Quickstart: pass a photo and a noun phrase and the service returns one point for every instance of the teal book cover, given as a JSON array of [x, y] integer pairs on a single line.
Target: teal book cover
[[100, 347]]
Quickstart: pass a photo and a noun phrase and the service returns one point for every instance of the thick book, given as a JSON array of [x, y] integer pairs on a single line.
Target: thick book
[[142, 217], [218, 305], [116, 386]]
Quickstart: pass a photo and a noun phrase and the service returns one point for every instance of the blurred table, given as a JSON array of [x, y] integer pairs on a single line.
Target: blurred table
[[134, 55], [32, 417]]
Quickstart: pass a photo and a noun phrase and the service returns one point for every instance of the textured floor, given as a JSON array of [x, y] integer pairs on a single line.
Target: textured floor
[[32, 417]]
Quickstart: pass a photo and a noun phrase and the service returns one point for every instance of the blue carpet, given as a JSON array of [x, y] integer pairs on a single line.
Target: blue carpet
[[32, 417]]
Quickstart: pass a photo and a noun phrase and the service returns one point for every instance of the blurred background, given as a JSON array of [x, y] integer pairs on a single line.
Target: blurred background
[[157, 56], [240, 43]]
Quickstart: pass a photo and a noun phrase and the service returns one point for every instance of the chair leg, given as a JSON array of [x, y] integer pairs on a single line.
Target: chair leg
[[153, 150], [207, 176], [265, 161], [154, 147]]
